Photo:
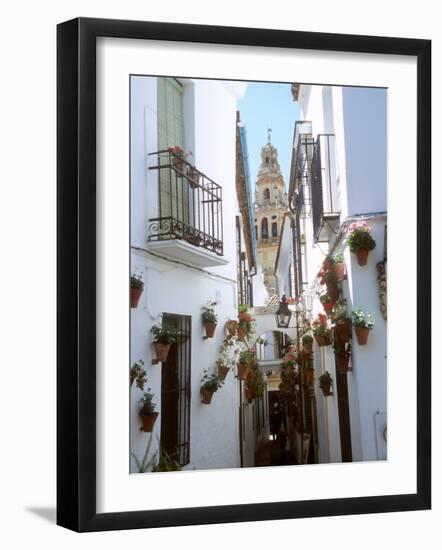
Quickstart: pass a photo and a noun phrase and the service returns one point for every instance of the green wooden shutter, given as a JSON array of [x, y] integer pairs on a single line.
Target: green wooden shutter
[[170, 134]]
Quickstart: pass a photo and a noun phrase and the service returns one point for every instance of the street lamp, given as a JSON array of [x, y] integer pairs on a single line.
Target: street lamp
[[283, 315]]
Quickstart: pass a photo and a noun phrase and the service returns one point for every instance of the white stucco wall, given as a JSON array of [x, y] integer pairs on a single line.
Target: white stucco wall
[[357, 117], [209, 112]]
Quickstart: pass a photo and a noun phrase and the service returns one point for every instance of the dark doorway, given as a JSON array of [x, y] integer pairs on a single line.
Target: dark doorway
[[344, 416]]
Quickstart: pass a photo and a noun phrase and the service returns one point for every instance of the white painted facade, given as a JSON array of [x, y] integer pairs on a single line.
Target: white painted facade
[[356, 118], [183, 284]]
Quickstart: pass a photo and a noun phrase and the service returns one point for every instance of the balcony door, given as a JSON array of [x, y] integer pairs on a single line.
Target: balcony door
[[174, 203]]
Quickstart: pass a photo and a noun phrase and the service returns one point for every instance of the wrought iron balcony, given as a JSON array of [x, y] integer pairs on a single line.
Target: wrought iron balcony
[[324, 186], [189, 205], [303, 158]]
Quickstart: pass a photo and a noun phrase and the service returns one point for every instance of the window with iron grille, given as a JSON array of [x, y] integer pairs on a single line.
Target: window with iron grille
[[175, 391]]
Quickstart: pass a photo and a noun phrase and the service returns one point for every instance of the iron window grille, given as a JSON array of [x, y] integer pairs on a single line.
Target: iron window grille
[[190, 204], [176, 391]]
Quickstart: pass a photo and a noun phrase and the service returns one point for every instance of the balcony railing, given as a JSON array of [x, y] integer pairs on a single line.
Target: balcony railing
[[323, 185], [189, 204], [303, 158]]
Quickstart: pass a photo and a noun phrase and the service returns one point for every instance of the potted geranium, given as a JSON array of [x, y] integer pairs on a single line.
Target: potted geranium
[[231, 327], [245, 323], [178, 157], [147, 411], [342, 356], [326, 302], [223, 370], [360, 241], [307, 343], [342, 322], [210, 319], [163, 337], [210, 383], [363, 323], [338, 266], [325, 382], [247, 359], [136, 289], [138, 374], [321, 331]]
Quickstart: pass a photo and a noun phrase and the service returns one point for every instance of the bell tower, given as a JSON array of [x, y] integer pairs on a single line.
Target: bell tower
[[270, 206]]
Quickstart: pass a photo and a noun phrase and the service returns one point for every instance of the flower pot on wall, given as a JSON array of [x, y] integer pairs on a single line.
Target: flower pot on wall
[[210, 329], [243, 371], [326, 389], [362, 335], [206, 396], [161, 351], [135, 295], [362, 255], [241, 334], [333, 291], [322, 340], [339, 271], [307, 348], [223, 371], [148, 421], [249, 395]]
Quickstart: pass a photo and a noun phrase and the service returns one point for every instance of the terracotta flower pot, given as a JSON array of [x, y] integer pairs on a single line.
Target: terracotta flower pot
[[206, 396], [161, 351], [194, 177], [325, 387], [342, 361], [322, 340], [342, 332], [241, 334], [249, 395], [362, 255], [243, 371], [135, 295], [362, 335], [210, 329], [178, 163], [308, 376], [308, 348], [333, 291], [223, 371], [148, 421], [339, 271]]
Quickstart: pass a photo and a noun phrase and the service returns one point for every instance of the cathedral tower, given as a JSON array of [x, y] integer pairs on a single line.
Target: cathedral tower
[[270, 206]]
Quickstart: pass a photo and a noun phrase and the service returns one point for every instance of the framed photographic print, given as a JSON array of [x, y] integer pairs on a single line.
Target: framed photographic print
[[231, 344]]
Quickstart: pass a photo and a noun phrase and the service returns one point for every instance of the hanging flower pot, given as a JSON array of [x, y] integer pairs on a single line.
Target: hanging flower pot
[[243, 371], [232, 327], [249, 394], [136, 290], [206, 396], [322, 340], [161, 351], [339, 271], [362, 255], [307, 344], [362, 335], [241, 334], [342, 361], [308, 376], [333, 291], [342, 331], [210, 329], [363, 323], [223, 371], [326, 388], [148, 421]]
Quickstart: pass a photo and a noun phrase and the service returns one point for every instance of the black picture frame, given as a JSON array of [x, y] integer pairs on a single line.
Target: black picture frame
[[76, 272]]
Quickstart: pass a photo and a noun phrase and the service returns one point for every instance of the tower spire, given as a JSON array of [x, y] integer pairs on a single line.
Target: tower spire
[[269, 135]]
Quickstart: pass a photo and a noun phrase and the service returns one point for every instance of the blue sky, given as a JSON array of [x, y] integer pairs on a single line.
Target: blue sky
[[267, 105]]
